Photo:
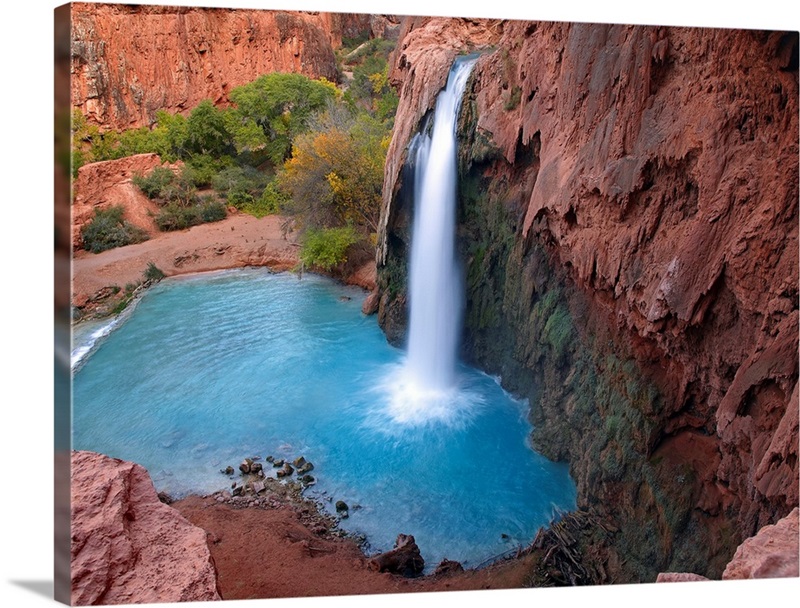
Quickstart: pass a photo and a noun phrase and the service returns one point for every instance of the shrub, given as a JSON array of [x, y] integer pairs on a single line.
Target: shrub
[[240, 180], [177, 217], [271, 201], [327, 248], [212, 211], [108, 230], [153, 273], [154, 184], [203, 168]]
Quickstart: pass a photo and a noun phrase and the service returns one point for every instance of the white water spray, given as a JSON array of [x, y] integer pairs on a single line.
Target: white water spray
[[435, 279]]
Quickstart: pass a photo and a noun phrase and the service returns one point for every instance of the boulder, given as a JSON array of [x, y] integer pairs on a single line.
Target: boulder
[[772, 553], [448, 566], [371, 302], [306, 468], [127, 546], [256, 467], [405, 559], [245, 466], [299, 461]]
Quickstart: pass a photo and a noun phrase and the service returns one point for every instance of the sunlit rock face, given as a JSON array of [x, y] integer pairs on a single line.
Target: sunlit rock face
[[628, 229]]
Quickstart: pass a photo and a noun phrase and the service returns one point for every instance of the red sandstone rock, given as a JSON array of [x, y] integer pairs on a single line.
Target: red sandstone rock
[[127, 547], [771, 553], [109, 183], [130, 61]]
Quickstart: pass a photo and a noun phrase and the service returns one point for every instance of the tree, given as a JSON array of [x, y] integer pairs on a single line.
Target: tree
[[206, 131], [335, 175], [273, 109]]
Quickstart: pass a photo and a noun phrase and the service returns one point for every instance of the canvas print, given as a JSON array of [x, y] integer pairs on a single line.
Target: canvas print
[[369, 303]]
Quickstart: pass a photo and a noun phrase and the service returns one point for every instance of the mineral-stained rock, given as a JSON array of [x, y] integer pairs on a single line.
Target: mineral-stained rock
[[405, 559], [771, 553], [299, 461], [127, 546]]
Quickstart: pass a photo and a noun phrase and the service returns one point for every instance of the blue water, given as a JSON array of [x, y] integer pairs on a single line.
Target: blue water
[[212, 368]]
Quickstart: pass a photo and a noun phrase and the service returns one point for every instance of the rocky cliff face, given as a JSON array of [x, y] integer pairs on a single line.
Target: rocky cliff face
[[130, 61], [628, 225], [127, 546]]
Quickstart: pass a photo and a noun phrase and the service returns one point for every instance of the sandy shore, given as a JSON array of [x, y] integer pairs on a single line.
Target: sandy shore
[[283, 548], [237, 241]]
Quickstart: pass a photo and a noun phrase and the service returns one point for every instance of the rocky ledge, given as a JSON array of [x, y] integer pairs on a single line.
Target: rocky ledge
[[127, 547]]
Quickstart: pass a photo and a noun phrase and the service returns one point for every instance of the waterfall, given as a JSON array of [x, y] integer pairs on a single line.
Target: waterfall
[[435, 279]]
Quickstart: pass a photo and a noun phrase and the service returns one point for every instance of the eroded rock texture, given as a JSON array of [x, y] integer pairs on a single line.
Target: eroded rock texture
[[130, 61], [628, 224], [127, 547]]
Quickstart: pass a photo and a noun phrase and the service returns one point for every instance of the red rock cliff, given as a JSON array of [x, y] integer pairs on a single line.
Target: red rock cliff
[[130, 61], [657, 169]]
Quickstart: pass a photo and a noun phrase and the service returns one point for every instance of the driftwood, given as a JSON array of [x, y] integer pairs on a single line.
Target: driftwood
[[404, 559]]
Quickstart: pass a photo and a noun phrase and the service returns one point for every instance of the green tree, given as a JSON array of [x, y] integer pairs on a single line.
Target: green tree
[[206, 131], [273, 109]]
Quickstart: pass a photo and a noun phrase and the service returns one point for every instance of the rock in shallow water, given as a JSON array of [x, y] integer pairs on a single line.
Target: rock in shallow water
[[405, 559]]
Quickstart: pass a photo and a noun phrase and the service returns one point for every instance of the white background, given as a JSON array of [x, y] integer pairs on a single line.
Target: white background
[[26, 529]]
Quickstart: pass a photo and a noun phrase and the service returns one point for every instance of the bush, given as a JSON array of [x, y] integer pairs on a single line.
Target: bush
[[236, 182], [177, 217], [271, 201], [203, 168], [153, 273], [108, 230], [212, 211], [154, 184], [328, 247]]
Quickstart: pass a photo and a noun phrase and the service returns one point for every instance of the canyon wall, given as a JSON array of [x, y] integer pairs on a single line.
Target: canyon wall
[[629, 231], [129, 61]]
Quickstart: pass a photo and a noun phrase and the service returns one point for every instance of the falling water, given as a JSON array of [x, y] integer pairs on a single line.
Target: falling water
[[435, 290]]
